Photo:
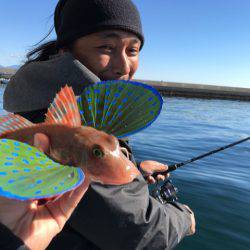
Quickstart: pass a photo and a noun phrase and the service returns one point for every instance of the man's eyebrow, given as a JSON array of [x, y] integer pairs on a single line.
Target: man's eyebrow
[[136, 40], [116, 36]]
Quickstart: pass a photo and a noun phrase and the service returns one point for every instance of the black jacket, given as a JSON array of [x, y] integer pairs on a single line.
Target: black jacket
[[108, 217]]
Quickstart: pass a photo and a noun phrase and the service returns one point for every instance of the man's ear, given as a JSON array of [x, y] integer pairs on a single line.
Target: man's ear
[[41, 142]]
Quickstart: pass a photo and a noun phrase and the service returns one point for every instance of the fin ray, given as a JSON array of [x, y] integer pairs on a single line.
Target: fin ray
[[64, 109], [12, 122], [119, 107]]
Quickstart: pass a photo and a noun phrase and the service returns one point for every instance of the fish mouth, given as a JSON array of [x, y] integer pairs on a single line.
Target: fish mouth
[[125, 152]]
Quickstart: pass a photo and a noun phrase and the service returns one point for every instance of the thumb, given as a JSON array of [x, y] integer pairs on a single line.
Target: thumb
[[41, 142]]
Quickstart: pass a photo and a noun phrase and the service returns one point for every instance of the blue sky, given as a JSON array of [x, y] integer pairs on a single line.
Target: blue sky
[[196, 41]]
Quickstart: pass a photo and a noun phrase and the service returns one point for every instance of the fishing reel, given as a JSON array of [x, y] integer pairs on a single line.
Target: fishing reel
[[165, 193]]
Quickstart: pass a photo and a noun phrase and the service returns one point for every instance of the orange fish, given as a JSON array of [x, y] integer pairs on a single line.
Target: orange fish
[[96, 152]]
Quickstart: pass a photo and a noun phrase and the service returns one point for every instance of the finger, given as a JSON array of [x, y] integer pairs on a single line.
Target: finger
[[160, 177], [12, 211], [165, 175], [153, 166], [72, 198], [63, 207], [160, 168], [7, 203], [150, 180], [41, 142]]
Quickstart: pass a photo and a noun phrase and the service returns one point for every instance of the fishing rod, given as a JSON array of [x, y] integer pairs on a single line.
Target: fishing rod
[[181, 164], [166, 193]]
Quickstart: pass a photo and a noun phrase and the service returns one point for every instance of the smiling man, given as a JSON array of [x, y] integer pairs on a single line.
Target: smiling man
[[96, 40], [112, 54]]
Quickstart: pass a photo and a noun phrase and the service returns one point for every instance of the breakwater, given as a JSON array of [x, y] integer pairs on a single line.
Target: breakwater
[[200, 90]]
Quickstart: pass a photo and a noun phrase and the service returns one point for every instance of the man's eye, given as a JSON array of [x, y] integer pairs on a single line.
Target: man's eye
[[134, 51]]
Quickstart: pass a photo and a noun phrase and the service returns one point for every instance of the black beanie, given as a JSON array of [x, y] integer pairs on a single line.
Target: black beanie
[[76, 18]]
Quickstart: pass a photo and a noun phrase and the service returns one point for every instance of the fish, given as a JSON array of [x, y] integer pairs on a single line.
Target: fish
[[97, 153], [82, 133]]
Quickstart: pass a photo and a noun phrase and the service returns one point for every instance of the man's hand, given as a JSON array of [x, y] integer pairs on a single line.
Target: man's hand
[[150, 167], [38, 225]]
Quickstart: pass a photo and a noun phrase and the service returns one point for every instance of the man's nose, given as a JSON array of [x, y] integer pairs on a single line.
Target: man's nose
[[121, 64]]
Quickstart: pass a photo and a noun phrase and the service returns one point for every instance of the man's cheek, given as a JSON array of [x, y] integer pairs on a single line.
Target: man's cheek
[[103, 62]]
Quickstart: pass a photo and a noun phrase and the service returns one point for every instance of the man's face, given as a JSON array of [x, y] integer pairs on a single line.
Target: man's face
[[110, 54]]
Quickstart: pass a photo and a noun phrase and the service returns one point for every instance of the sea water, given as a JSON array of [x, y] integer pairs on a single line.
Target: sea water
[[217, 188]]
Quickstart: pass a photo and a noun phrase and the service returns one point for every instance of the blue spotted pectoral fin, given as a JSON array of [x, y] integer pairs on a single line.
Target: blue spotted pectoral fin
[[26, 173], [118, 107]]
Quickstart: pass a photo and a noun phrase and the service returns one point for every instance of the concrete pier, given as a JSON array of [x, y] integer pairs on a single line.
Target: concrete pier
[[188, 90], [200, 90]]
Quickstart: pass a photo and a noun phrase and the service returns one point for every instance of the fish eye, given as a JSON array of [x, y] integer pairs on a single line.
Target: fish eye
[[97, 152]]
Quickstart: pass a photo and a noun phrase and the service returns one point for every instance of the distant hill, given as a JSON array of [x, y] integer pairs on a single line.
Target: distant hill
[[8, 71], [14, 67], [11, 68]]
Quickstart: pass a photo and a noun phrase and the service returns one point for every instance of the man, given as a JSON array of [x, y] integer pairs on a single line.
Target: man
[[96, 40]]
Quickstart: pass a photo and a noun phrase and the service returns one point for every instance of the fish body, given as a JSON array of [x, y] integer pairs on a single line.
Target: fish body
[[97, 153]]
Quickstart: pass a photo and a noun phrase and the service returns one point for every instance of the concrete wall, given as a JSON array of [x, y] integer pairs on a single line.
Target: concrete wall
[[200, 90]]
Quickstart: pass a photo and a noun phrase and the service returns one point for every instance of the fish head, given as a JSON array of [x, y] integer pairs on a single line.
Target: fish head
[[102, 158]]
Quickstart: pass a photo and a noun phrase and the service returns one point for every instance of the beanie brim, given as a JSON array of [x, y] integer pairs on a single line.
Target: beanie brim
[[72, 36], [77, 18]]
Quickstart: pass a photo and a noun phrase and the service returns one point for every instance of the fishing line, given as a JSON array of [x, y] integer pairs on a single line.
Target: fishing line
[[181, 164]]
